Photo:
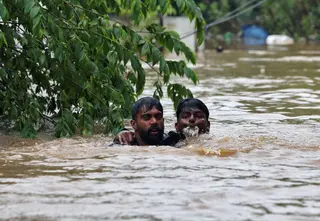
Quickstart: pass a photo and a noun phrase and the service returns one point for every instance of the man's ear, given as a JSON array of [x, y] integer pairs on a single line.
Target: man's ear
[[208, 127], [134, 124], [176, 126]]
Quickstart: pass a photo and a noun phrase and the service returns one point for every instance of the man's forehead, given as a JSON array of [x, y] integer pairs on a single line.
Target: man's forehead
[[191, 109], [145, 110]]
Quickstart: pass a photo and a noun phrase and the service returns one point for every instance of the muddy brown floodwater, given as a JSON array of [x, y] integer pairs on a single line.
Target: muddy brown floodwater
[[260, 161]]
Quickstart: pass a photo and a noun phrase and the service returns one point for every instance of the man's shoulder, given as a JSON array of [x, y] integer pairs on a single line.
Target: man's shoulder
[[172, 138], [169, 139]]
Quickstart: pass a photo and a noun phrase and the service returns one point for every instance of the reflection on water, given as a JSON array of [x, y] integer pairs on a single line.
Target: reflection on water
[[260, 162]]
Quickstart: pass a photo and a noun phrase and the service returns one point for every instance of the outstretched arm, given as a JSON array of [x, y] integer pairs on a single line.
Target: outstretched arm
[[125, 137]]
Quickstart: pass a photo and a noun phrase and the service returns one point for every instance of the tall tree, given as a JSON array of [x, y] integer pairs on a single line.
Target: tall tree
[[71, 59]]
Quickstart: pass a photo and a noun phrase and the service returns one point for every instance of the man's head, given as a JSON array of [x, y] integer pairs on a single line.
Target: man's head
[[192, 112], [147, 121]]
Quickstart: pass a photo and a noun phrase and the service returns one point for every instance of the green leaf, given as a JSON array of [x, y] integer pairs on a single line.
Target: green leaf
[[177, 92], [80, 52], [156, 55], [170, 44], [42, 59], [181, 4], [3, 11], [112, 57], [93, 68], [136, 11], [28, 6], [140, 74], [116, 95], [135, 38], [117, 31], [163, 5], [3, 39], [141, 80], [153, 5], [145, 49], [191, 75], [128, 3], [131, 77], [188, 53], [166, 75], [173, 34], [36, 21], [126, 56], [135, 63], [158, 93], [14, 111], [155, 28], [34, 11], [200, 31], [177, 46], [123, 34], [162, 64]]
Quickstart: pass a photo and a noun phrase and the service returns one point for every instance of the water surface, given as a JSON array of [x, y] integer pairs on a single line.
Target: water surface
[[260, 161]]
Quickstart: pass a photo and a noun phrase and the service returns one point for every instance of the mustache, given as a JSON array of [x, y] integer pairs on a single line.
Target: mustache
[[154, 128]]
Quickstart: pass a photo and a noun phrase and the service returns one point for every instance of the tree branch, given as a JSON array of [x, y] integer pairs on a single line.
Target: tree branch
[[87, 10], [48, 118]]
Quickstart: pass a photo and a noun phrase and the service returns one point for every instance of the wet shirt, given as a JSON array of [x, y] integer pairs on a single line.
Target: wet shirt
[[170, 139]]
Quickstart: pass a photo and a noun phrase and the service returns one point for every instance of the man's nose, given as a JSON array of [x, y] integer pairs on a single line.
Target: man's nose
[[192, 118], [153, 120]]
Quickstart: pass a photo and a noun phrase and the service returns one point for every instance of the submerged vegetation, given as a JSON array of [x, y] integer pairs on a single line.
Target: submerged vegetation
[[71, 63]]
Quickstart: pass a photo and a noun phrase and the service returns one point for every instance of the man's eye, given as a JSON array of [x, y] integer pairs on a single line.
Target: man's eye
[[145, 117], [199, 115], [158, 116], [185, 115]]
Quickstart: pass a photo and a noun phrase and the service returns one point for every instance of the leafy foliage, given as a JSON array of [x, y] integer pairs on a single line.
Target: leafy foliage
[[71, 60], [296, 18]]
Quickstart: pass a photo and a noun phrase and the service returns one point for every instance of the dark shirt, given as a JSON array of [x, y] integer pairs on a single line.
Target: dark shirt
[[170, 139]]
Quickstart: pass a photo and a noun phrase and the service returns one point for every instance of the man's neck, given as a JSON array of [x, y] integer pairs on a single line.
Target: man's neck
[[139, 141]]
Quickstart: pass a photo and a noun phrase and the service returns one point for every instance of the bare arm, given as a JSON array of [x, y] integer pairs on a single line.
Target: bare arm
[[124, 137]]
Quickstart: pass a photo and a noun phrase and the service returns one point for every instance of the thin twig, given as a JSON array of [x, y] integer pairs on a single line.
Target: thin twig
[[48, 118], [92, 12]]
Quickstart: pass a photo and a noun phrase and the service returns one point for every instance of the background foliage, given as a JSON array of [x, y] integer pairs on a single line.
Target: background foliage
[[296, 18], [71, 63]]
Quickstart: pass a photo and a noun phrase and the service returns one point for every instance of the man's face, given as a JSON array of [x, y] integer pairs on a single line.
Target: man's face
[[193, 117], [149, 126]]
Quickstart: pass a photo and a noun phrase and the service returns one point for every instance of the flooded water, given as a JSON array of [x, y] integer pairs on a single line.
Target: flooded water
[[260, 161]]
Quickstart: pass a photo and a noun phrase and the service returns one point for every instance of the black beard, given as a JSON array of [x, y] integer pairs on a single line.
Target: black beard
[[150, 139]]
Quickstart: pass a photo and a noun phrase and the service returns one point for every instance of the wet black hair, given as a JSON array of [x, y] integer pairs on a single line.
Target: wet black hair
[[192, 102], [148, 102]]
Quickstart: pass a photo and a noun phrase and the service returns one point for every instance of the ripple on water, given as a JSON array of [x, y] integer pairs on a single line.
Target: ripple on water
[[260, 162], [284, 59]]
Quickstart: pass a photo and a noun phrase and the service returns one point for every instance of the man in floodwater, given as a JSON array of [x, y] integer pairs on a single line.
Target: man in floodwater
[[147, 122], [192, 119], [192, 115]]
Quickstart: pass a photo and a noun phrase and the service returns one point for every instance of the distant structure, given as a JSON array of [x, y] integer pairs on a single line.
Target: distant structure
[[183, 26], [254, 35], [279, 40]]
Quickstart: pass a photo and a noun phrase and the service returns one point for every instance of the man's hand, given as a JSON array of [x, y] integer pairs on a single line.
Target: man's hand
[[125, 138]]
